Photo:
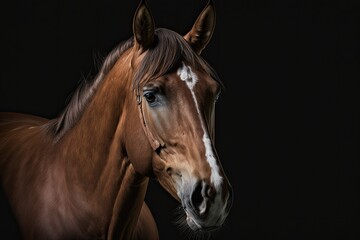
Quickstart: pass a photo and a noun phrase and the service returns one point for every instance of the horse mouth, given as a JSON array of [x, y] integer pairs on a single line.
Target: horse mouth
[[192, 223], [196, 226]]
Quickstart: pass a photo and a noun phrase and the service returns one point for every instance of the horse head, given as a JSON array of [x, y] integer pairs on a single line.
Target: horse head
[[174, 98]]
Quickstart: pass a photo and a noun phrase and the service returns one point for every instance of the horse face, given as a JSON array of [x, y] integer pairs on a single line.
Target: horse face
[[179, 113]]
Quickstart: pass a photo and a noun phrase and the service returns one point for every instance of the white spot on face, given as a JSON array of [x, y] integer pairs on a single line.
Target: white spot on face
[[188, 76], [184, 75]]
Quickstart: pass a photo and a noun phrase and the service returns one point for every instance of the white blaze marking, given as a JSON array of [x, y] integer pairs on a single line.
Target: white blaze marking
[[190, 78]]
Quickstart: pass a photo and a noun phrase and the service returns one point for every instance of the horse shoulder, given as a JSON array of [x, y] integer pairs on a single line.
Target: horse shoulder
[[146, 228]]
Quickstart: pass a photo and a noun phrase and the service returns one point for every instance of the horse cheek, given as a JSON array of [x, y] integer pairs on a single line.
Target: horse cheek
[[140, 157]]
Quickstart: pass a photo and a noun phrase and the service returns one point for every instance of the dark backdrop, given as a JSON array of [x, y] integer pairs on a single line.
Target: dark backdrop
[[287, 123]]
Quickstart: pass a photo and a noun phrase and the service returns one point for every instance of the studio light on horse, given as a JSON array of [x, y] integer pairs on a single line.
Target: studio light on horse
[[149, 113]]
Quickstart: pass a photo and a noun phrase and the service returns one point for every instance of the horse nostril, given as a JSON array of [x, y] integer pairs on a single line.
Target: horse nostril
[[210, 192], [197, 197]]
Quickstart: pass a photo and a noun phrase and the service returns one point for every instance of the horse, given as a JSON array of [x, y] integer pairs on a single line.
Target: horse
[[148, 113]]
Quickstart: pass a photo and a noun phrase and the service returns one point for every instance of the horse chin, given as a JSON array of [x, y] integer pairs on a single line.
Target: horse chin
[[192, 223], [197, 226]]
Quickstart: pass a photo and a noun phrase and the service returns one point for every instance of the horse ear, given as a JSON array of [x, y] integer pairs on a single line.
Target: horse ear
[[143, 26], [201, 32]]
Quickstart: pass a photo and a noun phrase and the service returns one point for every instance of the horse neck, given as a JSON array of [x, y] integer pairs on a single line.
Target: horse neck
[[98, 170], [91, 142]]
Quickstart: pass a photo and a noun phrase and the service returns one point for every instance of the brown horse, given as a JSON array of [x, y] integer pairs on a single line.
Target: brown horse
[[148, 113]]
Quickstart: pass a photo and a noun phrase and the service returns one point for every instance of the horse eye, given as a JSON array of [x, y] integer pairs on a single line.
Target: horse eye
[[150, 97]]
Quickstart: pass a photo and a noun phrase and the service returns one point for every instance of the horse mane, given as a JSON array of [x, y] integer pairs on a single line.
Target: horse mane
[[84, 93], [167, 51]]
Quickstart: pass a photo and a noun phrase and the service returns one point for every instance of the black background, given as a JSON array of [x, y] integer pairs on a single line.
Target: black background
[[287, 124]]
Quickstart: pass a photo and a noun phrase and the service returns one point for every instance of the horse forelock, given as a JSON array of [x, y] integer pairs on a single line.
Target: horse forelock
[[167, 53]]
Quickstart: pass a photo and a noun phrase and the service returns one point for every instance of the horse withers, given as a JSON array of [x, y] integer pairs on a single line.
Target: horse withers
[[149, 113]]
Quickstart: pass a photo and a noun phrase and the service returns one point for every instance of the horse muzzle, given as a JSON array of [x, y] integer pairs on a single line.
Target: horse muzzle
[[206, 208]]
